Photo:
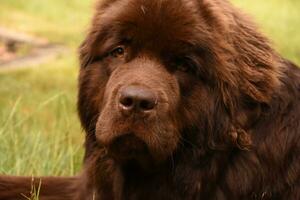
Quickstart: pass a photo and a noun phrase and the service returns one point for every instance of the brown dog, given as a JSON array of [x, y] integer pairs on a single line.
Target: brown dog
[[181, 99]]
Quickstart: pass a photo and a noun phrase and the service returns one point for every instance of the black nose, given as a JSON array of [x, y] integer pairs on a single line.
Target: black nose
[[137, 99]]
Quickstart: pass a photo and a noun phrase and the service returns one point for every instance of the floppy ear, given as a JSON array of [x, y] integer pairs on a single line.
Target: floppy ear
[[85, 56], [88, 48], [95, 34], [246, 68], [246, 61], [91, 78]]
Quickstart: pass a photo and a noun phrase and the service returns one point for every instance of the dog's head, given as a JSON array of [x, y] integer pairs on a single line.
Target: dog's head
[[154, 71]]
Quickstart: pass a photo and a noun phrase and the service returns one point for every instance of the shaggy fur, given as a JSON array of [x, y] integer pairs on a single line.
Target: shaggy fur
[[226, 120]]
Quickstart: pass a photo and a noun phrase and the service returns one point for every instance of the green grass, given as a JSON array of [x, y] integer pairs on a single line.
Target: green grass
[[40, 133], [62, 21], [39, 130]]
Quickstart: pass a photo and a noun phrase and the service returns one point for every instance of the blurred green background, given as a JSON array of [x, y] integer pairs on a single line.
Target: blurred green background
[[40, 133]]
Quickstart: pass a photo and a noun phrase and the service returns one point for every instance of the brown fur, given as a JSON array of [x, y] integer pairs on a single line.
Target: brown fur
[[50, 188], [226, 121]]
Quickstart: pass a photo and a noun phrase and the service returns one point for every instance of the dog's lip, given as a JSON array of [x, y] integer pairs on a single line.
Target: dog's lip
[[127, 146]]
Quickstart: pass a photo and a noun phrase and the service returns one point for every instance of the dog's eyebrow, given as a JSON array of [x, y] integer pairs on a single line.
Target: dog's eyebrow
[[106, 45], [106, 39], [187, 48]]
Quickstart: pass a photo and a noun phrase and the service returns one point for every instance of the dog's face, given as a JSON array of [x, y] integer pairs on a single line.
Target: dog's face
[[150, 70], [143, 77]]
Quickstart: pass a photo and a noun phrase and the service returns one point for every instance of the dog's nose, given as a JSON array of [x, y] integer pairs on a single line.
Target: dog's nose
[[137, 99]]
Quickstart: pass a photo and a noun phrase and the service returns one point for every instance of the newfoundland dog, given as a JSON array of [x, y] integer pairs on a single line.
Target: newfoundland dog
[[180, 100]]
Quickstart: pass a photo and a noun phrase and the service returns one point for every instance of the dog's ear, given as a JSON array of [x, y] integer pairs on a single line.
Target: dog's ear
[[85, 53], [244, 66], [245, 60], [95, 36], [88, 49]]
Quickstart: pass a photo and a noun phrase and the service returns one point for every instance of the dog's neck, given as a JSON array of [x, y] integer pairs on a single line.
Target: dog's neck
[[114, 180]]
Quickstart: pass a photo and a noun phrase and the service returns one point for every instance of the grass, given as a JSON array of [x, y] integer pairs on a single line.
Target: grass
[[62, 21], [39, 130], [40, 133]]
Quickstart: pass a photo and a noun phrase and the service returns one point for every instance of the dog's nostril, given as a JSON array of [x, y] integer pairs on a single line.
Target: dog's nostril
[[126, 102], [147, 105], [138, 99]]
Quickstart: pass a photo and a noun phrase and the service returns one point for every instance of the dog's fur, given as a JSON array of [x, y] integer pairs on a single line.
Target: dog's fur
[[226, 122]]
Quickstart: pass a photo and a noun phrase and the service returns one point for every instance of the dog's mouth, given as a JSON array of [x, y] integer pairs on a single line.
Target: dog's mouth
[[128, 148]]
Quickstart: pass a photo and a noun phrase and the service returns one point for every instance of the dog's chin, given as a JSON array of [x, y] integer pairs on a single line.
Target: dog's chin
[[130, 151]]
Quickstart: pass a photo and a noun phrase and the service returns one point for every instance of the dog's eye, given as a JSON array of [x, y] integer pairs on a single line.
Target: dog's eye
[[183, 66], [118, 52]]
